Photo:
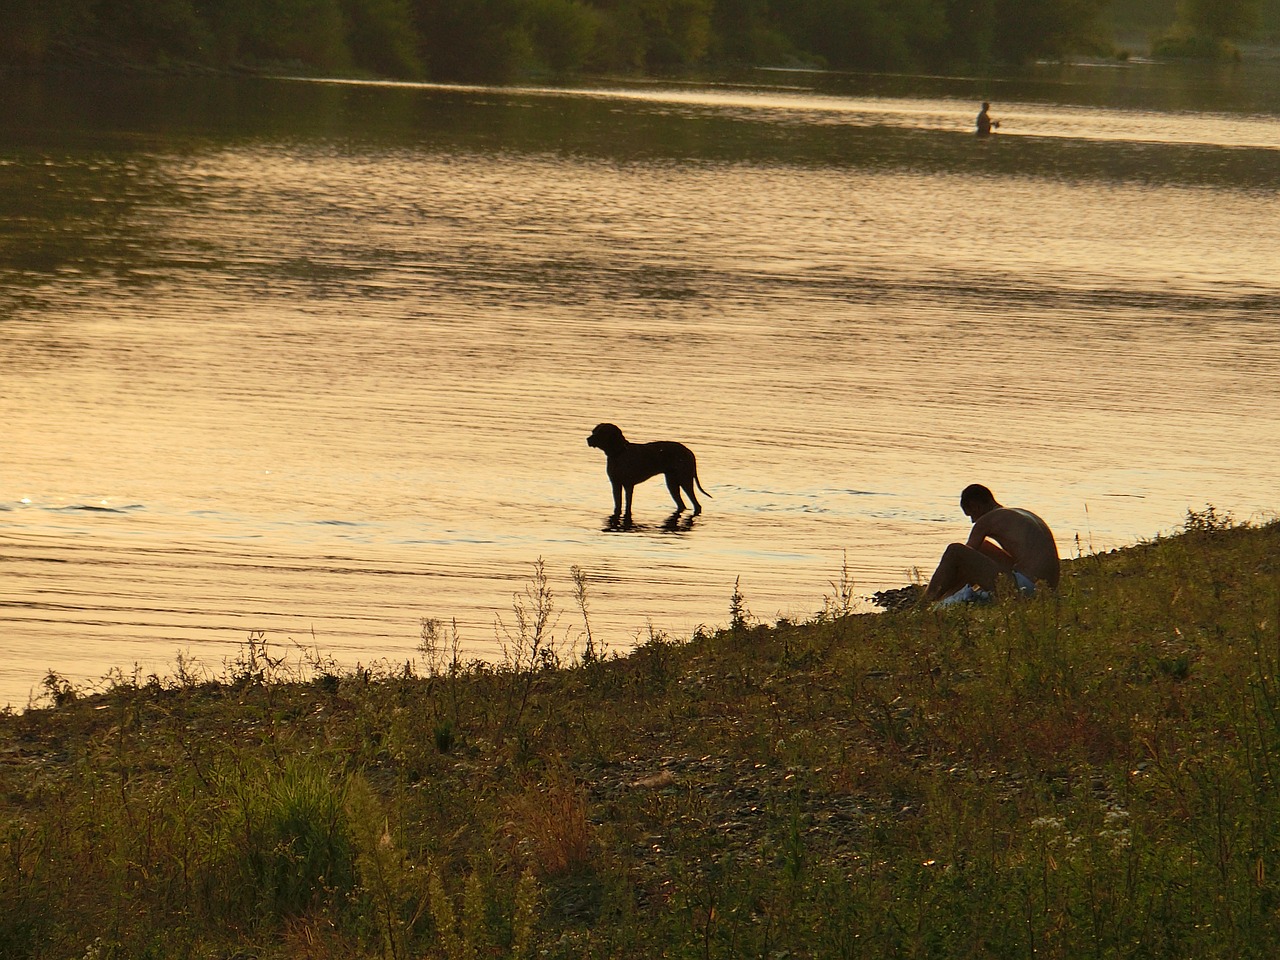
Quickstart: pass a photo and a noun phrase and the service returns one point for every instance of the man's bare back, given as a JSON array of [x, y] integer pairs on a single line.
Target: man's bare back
[[1004, 541]]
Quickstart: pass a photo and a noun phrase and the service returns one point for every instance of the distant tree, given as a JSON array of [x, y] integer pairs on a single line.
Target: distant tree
[[1205, 28], [621, 42], [869, 34], [741, 32], [1220, 19], [925, 30], [563, 33], [152, 31], [29, 28], [310, 32], [382, 37], [1142, 17], [494, 40], [677, 32], [474, 40], [1027, 29], [971, 32], [844, 33]]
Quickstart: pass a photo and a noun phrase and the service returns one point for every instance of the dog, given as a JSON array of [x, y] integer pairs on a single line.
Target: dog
[[629, 463]]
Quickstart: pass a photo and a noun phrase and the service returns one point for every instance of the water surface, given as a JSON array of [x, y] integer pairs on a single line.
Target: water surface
[[319, 360]]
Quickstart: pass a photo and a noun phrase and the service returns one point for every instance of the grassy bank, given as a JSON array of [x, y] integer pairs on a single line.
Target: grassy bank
[[1088, 774]]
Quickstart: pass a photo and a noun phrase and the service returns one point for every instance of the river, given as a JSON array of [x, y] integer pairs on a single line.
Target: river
[[310, 361]]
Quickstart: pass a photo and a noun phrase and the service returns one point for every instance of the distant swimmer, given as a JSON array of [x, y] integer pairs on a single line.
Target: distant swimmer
[[985, 123]]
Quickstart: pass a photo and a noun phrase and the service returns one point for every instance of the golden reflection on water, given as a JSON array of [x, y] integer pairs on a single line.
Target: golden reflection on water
[[325, 388]]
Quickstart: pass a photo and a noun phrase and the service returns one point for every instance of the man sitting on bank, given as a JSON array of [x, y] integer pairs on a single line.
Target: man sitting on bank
[[1005, 541]]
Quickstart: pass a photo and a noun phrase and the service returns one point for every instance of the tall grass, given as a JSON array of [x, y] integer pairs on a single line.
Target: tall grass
[[1091, 773]]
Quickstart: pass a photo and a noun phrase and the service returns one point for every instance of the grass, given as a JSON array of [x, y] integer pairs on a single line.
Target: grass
[[1091, 774]]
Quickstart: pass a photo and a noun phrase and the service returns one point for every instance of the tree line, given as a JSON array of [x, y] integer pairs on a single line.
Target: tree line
[[495, 40]]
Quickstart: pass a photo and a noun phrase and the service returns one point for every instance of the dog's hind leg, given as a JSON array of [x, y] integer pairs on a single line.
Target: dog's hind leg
[[673, 484], [697, 507]]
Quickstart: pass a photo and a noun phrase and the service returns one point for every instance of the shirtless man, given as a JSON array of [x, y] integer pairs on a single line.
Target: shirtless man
[[985, 123], [1006, 541]]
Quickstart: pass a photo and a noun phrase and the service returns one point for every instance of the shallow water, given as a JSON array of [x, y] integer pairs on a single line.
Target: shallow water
[[320, 360]]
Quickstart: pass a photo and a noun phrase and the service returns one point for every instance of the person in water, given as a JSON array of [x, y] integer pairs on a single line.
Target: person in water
[[985, 123], [1004, 542]]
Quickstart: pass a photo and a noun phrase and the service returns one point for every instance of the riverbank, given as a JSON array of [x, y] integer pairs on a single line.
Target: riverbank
[[1091, 773]]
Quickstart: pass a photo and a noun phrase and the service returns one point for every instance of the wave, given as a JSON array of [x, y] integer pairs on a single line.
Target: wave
[[94, 508]]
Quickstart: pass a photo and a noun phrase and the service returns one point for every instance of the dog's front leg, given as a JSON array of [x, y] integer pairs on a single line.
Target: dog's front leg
[[617, 500], [630, 488]]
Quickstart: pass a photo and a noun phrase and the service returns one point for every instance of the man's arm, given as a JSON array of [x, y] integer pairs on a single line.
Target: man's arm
[[979, 540]]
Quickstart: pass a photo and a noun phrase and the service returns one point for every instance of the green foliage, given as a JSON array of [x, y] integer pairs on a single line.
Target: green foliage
[[677, 32], [1204, 29], [382, 38], [1220, 19], [474, 40], [286, 838], [1027, 29], [870, 33], [309, 32], [152, 31], [742, 31], [563, 33], [31, 29], [1207, 521], [498, 40]]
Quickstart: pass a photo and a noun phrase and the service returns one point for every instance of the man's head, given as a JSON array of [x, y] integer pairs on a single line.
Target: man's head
[[975, 500]]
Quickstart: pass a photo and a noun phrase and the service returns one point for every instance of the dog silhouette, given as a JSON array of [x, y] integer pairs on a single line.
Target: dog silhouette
[[629, 463]]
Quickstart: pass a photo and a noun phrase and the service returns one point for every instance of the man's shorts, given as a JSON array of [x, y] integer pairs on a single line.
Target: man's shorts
[[971, 594]]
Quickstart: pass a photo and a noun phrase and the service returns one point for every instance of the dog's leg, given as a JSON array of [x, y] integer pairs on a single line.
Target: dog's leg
[[673, 484], [697, 507], [617, 500], [630, 489]]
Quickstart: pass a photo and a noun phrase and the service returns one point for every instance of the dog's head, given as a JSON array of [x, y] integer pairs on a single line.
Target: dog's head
[[606, 437]]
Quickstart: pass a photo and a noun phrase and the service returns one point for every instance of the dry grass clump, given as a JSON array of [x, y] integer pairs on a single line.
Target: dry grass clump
[[550, 823]]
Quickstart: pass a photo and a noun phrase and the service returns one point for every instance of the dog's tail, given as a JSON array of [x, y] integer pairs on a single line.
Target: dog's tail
[[699, 483]]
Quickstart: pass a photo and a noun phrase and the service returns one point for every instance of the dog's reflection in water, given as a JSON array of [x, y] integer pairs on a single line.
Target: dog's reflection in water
[[678, 522]]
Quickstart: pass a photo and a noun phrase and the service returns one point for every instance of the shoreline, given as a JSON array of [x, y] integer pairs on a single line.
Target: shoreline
[[828, 775]]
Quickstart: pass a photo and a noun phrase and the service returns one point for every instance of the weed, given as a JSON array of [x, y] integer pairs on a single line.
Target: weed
[[394, 891], [482, 930], [551, 822], [444, 735], [58, 689], [529, 647], [524, 923], [739, 615], [840, 603], [288, 839], [255, 664], [654, 657], [591, 653], [446, 922], [1207, 521], [441, 652]]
